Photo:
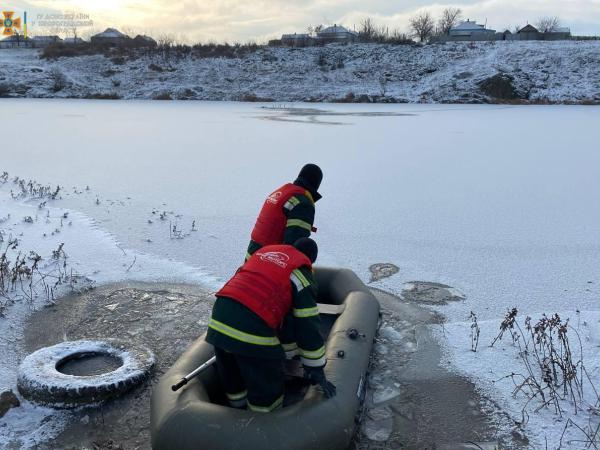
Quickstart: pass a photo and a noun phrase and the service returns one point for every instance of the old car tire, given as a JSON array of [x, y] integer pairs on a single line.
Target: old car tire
[[41, 382]]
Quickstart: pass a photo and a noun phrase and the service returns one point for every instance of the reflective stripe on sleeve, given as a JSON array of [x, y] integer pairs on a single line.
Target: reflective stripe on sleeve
[[291, 203], [289, 347], [308, 362], [303, 280], [299, 223], [290, 350], [242, 336], [313, 354], [315, 358], [296, 280], [306, 312]]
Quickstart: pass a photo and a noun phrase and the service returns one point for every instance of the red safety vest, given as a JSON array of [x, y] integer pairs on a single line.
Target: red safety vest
[[263, 283], [271, 222]]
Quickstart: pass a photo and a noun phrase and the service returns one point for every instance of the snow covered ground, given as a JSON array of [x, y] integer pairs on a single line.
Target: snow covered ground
[[561, 72], [571, 419], [499, 202]]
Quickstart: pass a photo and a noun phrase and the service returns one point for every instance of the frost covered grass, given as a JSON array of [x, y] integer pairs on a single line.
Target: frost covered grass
[[46, 252], [24, 274], [539, 72], [543, 370]]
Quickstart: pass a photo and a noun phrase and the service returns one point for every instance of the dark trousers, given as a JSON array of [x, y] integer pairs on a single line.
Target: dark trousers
[[259, 382]]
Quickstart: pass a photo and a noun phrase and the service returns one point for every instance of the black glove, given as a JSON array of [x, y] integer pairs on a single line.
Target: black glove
[[316, 375]]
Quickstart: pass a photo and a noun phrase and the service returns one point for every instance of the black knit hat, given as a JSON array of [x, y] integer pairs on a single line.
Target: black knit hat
[[308, 247], [310, 177]]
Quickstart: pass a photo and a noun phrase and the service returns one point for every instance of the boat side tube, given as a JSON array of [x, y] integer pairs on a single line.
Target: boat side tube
[[187, 419]]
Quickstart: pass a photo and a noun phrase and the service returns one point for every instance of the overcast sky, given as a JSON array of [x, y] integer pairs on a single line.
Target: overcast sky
[[259, 20]]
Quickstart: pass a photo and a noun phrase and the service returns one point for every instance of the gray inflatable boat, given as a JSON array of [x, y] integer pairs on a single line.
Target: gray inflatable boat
[[196, 417]]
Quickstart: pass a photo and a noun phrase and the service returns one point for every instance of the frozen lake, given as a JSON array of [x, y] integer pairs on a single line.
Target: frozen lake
[[500, 202]]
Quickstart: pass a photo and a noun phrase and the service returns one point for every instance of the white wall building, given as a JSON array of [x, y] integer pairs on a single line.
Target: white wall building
[[470, 28], [337, 33]]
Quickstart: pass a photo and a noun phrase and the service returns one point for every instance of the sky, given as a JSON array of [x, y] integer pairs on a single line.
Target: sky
[[260, 20]]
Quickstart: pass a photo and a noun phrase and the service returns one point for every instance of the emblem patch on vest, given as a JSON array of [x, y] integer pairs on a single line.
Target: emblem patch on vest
[[274, 197], [278, 258]]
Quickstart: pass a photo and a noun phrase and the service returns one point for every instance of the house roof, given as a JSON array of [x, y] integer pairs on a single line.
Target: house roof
[[529, 29], [336, 29], [143, 37], [110, 33], [468, 25]]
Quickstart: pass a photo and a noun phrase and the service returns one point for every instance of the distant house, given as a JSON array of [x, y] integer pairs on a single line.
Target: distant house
[[529, 33], [14, 41], [144, 41], [44, 41], [333, 34], [297, 40], [73, 40], [111, 37], [470, 29], [337, 33], [560, 34]]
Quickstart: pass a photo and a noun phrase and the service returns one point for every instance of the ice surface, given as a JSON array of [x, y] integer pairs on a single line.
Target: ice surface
[[496, 201]]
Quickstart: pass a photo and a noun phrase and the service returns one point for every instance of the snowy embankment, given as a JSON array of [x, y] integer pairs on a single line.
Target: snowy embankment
[[521, 72], [543, 371], [46, 252]]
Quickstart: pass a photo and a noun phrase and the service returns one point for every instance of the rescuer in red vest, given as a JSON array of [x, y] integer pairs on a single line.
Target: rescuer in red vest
[[289, 212], [250, 308]]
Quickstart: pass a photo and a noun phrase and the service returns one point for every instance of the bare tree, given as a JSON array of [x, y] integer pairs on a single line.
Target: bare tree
[[72, 30], [422, 26], [166, 40], [367, 29], [449, 19], [314, 30], [548, 24]]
